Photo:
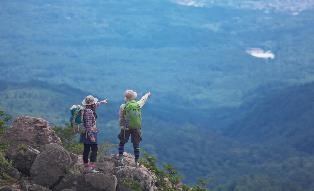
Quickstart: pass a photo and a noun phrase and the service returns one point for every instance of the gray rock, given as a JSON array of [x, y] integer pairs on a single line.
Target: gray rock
[[89, 181], [99, 182], [130, 176], [128, 159], [27, 185], [13, 172], [70, 181], [136, 176], [6, 188], [35, 187], [107, 166], [10, 188], [22, 158], [31, 131], [51, 165], [74, 158], [26, 136]]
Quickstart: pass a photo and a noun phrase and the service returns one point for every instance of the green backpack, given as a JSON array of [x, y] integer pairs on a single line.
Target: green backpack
[[132, 115], [77, 112]]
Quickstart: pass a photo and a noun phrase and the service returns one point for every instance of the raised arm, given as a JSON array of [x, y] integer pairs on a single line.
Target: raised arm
[[143, 100], [105, 101]]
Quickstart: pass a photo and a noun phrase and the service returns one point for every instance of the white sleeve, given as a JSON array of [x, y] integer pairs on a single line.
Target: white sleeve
[[121, 120], [143, 100]]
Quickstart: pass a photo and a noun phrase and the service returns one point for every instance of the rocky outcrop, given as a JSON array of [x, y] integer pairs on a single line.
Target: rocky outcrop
[[111, 176], [26, 137], [38, 155]]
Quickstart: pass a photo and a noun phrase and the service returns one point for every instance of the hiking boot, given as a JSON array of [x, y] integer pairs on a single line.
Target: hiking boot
[[120, 160], [92, 165], [90, 169], [137, 164], [94, 171]]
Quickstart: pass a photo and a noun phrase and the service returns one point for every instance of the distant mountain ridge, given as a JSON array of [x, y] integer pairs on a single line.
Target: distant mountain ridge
[[282, 117], [277, 5]]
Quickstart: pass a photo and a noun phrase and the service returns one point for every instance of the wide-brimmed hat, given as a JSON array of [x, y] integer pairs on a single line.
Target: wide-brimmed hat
[[130, 94], [89, 100]]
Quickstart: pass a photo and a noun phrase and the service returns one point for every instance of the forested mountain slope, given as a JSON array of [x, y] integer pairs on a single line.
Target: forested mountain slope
[[280, 117]]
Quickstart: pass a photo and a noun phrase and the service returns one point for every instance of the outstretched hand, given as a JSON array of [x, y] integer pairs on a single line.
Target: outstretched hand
[[104, 101]]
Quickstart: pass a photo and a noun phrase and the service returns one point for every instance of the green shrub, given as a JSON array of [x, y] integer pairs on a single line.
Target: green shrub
[[4, 118], [5, 165], [66, 134], [172, 174], [105, 149], [201, 185], [69, 139], [76, 148], [168, 177]]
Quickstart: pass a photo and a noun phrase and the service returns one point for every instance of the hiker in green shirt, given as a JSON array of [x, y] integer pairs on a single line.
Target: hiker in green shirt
[[130, 121]]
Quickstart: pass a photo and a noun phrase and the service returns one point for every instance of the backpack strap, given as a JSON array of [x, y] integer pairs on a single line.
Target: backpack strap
[[74, 116], [82, 115]]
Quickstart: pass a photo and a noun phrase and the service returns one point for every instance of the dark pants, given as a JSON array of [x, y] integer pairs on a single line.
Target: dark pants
[[93, 154], [136, 138]]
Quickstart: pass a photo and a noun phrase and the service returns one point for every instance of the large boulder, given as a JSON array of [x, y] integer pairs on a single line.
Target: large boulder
[[98, 182], [51, 165], [131, 177], [135, 177], [30, 131], [89, 181], [25, 138]]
